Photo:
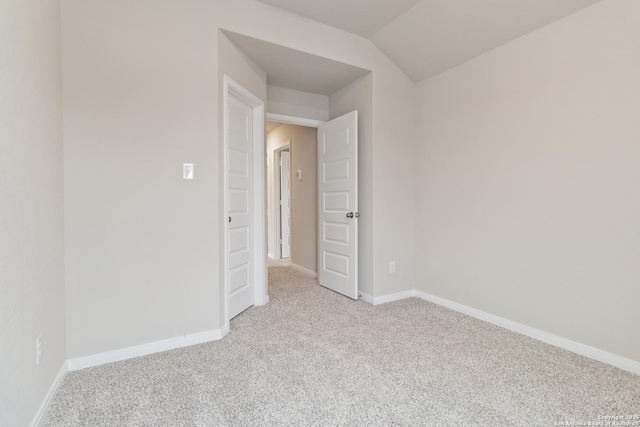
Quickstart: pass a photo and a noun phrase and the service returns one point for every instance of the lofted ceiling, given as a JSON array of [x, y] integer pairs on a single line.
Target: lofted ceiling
[[427, 37], [362, 17]]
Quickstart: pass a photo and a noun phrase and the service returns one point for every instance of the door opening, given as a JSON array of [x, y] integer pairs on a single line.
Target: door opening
[[333, 210]]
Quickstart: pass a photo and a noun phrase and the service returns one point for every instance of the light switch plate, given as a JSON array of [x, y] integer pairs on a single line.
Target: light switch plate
[[187, 171], [299, 174]]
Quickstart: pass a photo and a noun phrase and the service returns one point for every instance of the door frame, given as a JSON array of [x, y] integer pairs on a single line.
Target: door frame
[[258, 183], [277, 222], [294, 120]]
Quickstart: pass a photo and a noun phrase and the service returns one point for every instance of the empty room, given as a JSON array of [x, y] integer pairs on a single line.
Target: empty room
[[284, 212]]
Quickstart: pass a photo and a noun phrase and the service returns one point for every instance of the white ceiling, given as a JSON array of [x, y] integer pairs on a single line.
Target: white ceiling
[[362, 17], [293, 69], [427, 37]]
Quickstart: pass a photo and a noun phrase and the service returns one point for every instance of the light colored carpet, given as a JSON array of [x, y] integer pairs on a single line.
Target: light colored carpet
[[284, 262], [313, 357]]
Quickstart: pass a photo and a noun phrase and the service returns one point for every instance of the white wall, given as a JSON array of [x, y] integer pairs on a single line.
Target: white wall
[[141, 96], [528, 200], [296, 103], [31, 209]]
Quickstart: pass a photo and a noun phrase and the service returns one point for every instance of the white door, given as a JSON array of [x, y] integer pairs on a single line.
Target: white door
[[240, 220], [285, 204], [338, 204]]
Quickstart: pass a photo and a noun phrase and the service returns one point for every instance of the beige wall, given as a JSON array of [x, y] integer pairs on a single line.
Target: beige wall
[[296, 103], [528, 200], [234, 63], [304, 201], [31, 208], [359, 96], [141, 245], [141, 96], [394, 140]]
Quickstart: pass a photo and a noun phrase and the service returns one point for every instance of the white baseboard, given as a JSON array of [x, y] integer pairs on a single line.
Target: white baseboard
[[621, 362], [41, 415], [304, 270], [612, 359], [387, 298], [365, 297], [144, 349]]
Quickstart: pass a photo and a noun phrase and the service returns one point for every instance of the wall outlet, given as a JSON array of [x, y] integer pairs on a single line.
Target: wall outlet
[[392, 266], [38, 348]]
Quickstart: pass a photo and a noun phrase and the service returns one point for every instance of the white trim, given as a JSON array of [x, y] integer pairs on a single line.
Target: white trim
[[41, 415], [394, 297], [277, 221], [387, 298], [366, 298], [259, 204], [567, 344], [145, 349], [293, 120], [304, 270], [612, 359]]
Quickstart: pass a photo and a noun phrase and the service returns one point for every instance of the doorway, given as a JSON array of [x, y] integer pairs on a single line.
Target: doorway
[[292, 196], [323, 227], [282, 201]]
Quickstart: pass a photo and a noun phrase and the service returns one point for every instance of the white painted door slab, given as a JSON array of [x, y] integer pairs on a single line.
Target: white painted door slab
[[240, 221], [338, 204], [285, 204]]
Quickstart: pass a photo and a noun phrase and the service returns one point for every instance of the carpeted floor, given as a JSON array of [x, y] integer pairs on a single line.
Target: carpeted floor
[[313, 357], [284, 262]]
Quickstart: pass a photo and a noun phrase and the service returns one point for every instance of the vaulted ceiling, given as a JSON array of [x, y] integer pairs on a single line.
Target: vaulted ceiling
[[427, 37]]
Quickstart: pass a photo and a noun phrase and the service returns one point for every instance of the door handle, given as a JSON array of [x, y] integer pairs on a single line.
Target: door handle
[[229, 219], [350, 215]]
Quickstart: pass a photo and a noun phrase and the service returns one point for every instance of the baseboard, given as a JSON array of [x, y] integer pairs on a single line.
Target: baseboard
[[145, 349], [304, 270], [41, 415], [365, 297], [567, 344], [387, 298]]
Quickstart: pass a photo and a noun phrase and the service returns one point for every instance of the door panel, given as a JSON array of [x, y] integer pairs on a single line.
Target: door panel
[[338, 204], [239, 182]]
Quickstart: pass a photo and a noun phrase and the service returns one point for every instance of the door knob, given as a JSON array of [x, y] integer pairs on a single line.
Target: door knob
[[229, 219], [350, 215]]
